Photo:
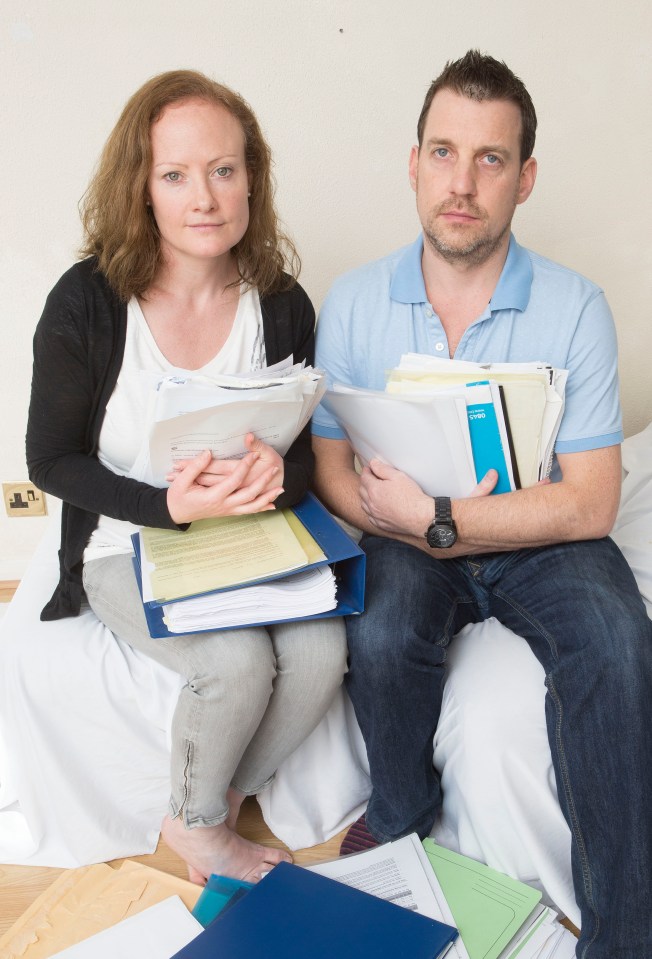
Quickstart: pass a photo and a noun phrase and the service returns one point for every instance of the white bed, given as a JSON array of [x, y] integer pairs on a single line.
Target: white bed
[[84, 726]]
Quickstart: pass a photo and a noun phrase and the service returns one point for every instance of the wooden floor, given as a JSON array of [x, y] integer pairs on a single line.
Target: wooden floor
[[20, 885]]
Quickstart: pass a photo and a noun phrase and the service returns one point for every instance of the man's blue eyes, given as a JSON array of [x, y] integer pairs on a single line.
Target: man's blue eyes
[[491, 159]]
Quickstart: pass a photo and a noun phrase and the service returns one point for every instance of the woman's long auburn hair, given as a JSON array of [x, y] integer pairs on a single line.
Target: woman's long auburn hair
[[119, 227]]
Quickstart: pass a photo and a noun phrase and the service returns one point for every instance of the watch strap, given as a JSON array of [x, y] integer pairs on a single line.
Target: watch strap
[[443, 510]]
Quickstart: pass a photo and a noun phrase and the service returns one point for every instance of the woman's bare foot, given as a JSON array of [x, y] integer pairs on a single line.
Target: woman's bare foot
[[195, 876], [207, 849], [235, 799]]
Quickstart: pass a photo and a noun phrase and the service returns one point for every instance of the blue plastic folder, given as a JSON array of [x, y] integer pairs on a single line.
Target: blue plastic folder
[[219, 893], [342, 553], [296, 914]]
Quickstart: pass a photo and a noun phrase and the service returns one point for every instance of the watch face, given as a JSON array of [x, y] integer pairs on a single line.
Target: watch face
[[441, 537]]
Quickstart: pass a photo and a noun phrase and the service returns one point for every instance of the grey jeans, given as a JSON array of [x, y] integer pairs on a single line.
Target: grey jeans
[[251, 697]]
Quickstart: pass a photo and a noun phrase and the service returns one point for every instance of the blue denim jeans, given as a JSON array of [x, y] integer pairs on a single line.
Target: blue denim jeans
[[579, 608]]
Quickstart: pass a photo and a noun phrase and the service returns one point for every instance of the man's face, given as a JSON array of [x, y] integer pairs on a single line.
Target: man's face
[[468, 176]]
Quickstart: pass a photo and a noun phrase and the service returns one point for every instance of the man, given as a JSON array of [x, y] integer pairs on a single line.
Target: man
[[538, 559]]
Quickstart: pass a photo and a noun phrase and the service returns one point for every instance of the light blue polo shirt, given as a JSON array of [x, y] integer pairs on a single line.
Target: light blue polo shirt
[[539, 311]]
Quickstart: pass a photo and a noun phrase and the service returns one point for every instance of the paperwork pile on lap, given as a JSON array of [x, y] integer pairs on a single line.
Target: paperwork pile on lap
[[301, 595], [446, 422], [185, 573], [197, 577], [191, 414]]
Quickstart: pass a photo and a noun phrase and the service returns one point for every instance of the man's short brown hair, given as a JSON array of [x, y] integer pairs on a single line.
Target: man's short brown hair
[[480, 77]]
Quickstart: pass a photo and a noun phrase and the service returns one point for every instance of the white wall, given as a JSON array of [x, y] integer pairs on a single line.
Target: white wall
[[337, 86]]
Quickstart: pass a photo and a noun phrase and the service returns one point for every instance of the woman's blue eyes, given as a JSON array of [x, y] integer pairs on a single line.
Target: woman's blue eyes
[[175, 177]]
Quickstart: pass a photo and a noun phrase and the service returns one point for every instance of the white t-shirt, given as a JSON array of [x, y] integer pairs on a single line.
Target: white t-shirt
[[143, 365]]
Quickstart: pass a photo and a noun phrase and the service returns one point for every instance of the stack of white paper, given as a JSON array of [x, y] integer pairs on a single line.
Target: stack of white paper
[[301, 595], [193, 413], [549, 941], [427, 437]]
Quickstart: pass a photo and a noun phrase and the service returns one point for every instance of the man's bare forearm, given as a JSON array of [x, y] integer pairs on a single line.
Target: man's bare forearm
[[338, 487]]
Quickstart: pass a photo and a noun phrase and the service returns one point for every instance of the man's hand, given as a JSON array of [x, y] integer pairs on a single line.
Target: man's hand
[[393, 503]]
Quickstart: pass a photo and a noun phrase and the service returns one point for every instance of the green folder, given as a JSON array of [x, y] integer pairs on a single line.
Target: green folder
[[489, 908]]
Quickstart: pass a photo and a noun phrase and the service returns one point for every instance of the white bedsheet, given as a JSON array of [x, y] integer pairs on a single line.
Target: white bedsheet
[[84, 724]]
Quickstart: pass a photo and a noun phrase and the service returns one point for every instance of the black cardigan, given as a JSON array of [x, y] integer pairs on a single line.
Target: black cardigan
[[78, 350]]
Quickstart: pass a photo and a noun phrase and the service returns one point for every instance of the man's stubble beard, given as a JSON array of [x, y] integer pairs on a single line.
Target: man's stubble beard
[[474, 253], [478, 249]]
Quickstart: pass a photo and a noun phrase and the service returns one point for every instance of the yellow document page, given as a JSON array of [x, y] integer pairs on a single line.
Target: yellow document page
[[221, 553], [526, 395]]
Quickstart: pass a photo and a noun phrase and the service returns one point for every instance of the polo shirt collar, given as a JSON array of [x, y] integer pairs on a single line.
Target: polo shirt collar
[[512, 290], [515, 282], [407, 284]]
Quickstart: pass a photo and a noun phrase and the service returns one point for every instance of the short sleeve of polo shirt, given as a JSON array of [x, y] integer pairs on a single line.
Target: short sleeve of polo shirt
[[592, 416], [566, 321]]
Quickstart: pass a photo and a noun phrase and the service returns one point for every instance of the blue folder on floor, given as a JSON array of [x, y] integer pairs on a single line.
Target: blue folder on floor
[[342, 553], [296, 914]]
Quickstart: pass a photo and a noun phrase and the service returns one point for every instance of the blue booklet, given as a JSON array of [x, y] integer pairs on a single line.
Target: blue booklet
[[296, 914], [490, 437]]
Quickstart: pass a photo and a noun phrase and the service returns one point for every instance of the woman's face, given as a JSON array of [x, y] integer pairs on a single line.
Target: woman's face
[[198, 185]]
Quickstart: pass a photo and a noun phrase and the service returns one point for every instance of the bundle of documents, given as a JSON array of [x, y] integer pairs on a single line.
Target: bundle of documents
[[497, 917], [223, 553], [248, 570], [190, 414], [292, 597], [446, 422], [137, 912]]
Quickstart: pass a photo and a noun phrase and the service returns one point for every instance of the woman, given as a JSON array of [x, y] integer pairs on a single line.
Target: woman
[[183, 271]]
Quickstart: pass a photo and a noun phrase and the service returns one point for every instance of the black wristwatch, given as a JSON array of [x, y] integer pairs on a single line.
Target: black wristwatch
[[442, 532]]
